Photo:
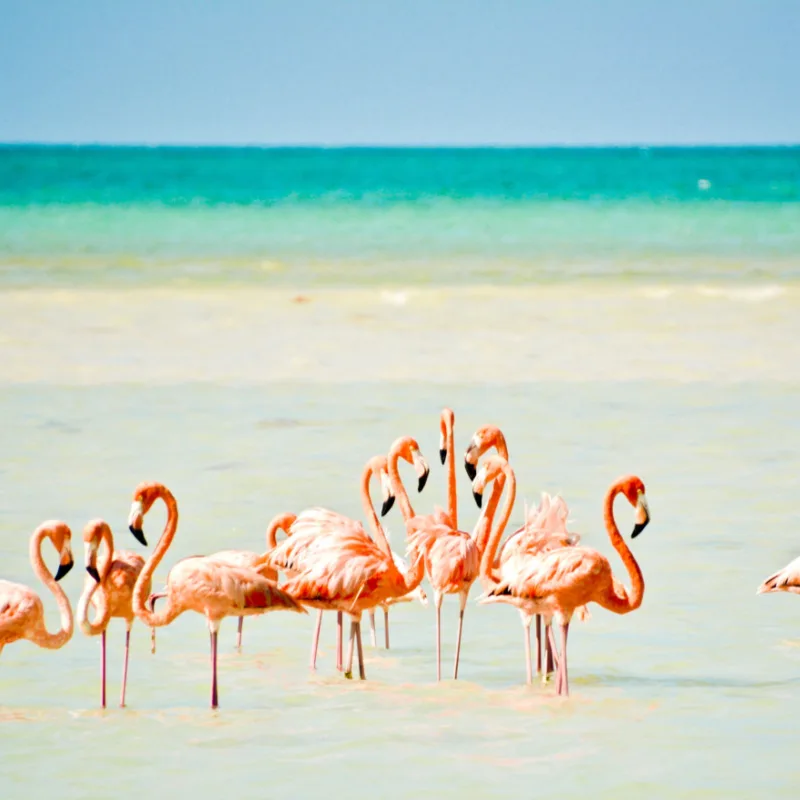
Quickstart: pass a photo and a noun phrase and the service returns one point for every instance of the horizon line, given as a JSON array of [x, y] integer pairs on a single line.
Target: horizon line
[[402, 146]]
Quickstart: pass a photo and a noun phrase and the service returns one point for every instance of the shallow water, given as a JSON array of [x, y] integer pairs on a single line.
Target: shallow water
[[695, 694]]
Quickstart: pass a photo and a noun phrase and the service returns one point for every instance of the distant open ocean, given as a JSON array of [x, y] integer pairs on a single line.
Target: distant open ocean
[[353, 216]]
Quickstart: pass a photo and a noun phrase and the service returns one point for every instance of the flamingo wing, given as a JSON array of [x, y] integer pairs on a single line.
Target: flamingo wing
[[452, 561], [20, 608], [785, 580]]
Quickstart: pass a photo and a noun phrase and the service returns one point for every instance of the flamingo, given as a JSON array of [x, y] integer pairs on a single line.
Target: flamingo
[[785, 580], [198, 584], [418, 594], [320, 537], [110, 589], [452, 557], [21, 609], [561, 581], [544, 529], [251, 560]]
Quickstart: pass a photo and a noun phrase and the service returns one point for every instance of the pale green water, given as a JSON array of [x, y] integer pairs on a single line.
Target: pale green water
[[695, 695]]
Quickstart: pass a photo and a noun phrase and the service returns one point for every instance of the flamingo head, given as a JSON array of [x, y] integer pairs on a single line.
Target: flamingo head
[[144, 496], [408, 449], [61, 536], [490, 469], [94, 533], [446, 422], [485, 437], [633, 489]]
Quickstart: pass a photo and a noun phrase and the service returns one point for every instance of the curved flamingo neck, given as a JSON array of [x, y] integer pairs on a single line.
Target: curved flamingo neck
[[373, 469], [481, 535], [108, 555], [509, 482], [52, 641], [415, 573], [103, 615], [629, 601], [280, 522], [140, 608], [452, 499], [399, 489]]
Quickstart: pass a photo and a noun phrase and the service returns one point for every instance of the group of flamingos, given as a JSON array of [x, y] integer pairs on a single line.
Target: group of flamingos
[[333, 564]]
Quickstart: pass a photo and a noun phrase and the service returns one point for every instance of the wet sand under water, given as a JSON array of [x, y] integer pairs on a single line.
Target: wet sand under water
[[246, 403]]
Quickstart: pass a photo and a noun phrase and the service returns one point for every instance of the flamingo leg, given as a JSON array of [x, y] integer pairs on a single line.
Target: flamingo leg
[[152, 640], [128, 624], [361, 672], [563, 687], [372, 627], [386, 626], [551, 651], [315, 642], [214, 690], [462, 599], [526, 625], [339, 640], [349, 671], [538, 644], [438, 600], [239, 634], [103, 670]]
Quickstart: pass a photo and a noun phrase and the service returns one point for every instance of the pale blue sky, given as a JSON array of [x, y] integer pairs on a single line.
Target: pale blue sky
[[414, 72]]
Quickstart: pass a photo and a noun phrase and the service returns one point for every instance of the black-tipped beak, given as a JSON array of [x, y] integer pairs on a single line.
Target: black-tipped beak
[[94, 573], [443, 455], [63, 569], [387, 505], [478, 498], [639, 527], [139, 534], [423, 479], [471, 469]]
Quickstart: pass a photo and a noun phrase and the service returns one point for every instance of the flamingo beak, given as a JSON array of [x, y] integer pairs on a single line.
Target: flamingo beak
[[387, 505], [642, 516], [135, 521], [470, 456], [423, 479], [92, 570], [91, 560], [422, 468], [478, 498], [64, 567], [442, 448]]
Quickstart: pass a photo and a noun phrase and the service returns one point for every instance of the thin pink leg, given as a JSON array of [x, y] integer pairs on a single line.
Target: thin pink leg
[[103, 670], [538, 644], [349, 671], [386, 626], [214, 692], [125, 664], [239, 634], [361, 672], [551, 649], [372, 627], [462, 598], [339, 640], [562, 662], [152, 640], [438, 601], [528, 667], [315, 642]]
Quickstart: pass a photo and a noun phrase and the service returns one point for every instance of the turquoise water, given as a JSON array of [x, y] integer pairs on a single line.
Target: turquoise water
[[143, 216]]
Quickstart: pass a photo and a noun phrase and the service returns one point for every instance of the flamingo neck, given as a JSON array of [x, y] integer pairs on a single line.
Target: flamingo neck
[[481, 535], [140, 608], [452, 500], [398, 488], [104, 566], [90, 587], [494, 536], [626, 601], [52, 641], [379, 534], [280, 522]]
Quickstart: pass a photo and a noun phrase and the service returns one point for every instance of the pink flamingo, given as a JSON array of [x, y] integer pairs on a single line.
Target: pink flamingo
[[418, 594], [563, 580], [785, 580], [109, 588], [21, 609], [198, 584], [339, 566], [251, 560], [452, 557]]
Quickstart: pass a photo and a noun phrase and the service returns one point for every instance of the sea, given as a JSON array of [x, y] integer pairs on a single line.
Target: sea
[[250, 325]]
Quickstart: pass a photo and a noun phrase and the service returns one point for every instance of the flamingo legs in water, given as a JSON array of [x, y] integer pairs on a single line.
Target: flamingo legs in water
[[339, 640], [538, 645], [315, 640], [562, 677], [128, 624], [213, 626], [386, 626], [438, 601], [462, 601], [355, 638], [103, 670], [526, 626], [372, 627], [239, 634]]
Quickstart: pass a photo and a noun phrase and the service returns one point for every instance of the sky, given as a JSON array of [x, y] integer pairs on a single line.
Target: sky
[[418, 72]]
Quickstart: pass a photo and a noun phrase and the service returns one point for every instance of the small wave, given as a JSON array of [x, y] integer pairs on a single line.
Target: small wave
[[749, 294]]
